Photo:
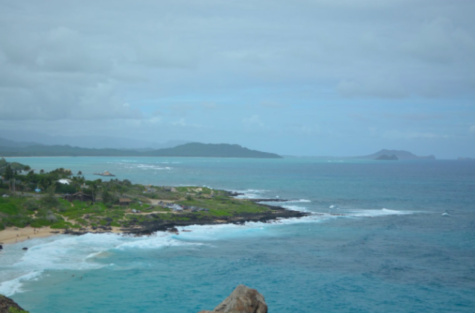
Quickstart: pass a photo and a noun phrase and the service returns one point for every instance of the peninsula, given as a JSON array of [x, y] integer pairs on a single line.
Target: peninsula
[[72, 204]]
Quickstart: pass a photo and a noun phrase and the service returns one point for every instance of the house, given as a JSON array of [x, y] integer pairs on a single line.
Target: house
[[65, 181], [124, 201], [176, 208], [77, 196]]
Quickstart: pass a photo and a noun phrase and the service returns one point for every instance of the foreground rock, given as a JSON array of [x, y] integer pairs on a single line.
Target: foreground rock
[[242, 300], [7, 305]]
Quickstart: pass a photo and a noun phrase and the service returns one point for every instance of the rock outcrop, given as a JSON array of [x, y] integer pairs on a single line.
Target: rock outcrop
[[7, 305], [242, 300]]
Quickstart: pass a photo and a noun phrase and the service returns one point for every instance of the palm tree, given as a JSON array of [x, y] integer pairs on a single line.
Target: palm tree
[[78, 181], [25, 184], [94, 188]]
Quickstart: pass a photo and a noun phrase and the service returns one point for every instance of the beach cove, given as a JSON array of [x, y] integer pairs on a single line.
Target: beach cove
[[388, 249]]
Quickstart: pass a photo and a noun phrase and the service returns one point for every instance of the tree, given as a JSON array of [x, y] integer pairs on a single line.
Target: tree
[[108, 197], [94, 188], [78, 181], [50, 200], [25, 184], [9, 173]]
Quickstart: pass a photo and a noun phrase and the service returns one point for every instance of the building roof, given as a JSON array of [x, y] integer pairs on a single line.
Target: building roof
[[124, 200]]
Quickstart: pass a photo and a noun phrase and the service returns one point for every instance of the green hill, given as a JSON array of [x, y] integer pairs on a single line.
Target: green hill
[[212, 150]]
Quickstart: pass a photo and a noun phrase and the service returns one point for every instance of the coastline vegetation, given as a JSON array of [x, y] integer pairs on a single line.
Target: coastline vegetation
[[63, 201]]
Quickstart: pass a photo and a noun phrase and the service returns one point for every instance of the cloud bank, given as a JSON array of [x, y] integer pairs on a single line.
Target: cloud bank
[[214, 71]]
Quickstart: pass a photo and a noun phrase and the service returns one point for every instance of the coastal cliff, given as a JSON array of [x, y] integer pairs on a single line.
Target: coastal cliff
[[242, 300], [7, 305]]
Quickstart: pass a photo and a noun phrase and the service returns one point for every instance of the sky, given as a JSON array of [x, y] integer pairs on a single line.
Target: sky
[[300, 77]]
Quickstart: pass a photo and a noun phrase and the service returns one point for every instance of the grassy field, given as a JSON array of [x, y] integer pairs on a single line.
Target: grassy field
[[50, 210]]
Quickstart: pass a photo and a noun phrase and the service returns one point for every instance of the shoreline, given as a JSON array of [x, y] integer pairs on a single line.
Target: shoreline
[[151, 227], [13, 235]]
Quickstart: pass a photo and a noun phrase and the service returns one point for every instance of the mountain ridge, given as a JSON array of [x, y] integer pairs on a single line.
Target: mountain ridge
[[185, 150]]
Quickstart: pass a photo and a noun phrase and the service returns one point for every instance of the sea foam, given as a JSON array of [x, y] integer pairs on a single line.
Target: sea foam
[[65, 252], [376, 213], [10, 287]]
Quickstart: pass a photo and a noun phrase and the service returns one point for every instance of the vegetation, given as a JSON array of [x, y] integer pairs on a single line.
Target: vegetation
[[15, 310], [96, 204]]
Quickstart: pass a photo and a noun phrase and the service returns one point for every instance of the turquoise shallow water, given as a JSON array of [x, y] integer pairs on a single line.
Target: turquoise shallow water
[[390, 251]]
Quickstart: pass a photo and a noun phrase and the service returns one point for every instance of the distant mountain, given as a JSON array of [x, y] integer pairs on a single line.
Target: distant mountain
[[196, 149], [399, 154], [10, 143], [186, 150], [66, 150], [91, 142], [465, 159]]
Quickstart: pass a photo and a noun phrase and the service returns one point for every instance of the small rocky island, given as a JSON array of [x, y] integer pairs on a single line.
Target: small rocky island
[[387, 154], [106, 173], [242, 300]]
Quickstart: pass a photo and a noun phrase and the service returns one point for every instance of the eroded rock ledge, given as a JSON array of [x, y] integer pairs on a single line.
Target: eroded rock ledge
[[242, 300], [7, 305]]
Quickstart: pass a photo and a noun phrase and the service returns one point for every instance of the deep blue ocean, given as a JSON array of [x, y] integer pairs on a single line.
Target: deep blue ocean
[[389, 250]]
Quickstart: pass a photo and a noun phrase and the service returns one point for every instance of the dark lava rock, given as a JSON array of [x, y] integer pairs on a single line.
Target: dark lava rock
[[25, 248], [7, 305], [242, 300]]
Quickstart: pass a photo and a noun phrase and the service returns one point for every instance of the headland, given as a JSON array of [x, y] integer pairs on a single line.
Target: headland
[[68, 204]]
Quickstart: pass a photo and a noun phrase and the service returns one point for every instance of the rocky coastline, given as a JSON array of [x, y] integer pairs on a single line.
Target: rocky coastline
[[149, 227], [7, 305]]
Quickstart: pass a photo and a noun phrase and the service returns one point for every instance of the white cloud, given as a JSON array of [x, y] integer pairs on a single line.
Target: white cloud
[[440, 40], [253, 121], [180, 122]]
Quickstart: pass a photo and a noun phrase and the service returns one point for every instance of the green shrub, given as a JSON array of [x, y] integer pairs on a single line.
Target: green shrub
[[8, 208], [40, 222], [15, 310], [31, 205]]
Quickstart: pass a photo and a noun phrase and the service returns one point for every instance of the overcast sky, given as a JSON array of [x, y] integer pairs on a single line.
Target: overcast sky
[[300, 77]]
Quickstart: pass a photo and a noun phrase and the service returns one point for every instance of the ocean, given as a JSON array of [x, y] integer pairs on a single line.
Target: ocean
[[386, 248]]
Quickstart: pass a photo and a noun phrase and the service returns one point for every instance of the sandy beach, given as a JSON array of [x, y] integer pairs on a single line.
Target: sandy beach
[[14, 234]]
